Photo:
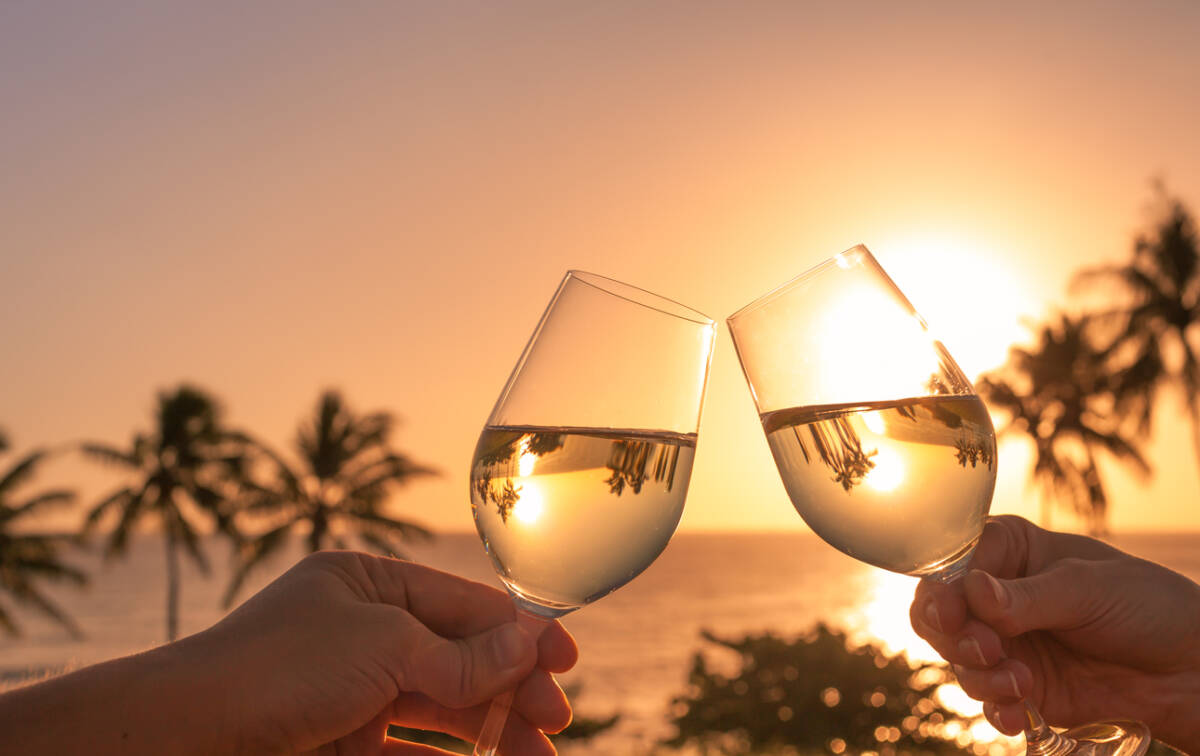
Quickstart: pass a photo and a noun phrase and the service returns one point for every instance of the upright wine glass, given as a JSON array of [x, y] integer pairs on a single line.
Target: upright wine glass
[[580, 474], [883, 445]]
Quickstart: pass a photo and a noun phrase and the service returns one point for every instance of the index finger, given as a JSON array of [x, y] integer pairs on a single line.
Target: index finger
[[1002, 550], [1003, 547], [454, 607]]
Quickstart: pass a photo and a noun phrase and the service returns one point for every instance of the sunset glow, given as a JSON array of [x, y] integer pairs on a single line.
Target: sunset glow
[[970, 294], [291, 276], [404, 250]]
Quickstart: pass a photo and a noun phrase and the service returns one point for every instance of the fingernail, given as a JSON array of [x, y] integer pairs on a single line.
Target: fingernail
[[509, 645], [999, 591], [1007, 682], [970, 648], [931, 616]]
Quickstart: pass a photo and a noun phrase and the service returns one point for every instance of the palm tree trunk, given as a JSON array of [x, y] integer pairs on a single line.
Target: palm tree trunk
[[319, 525], [1097, 499], [1194, 411], [172, 582]]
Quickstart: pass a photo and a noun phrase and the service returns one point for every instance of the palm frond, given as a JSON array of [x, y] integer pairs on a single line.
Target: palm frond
[[27, 594], [49, 567], [219, 506], [131, 512], [47, 498], [380, 543], [118, 498], [7, 623], [389, 467], [282, 468], [404, 528], [21, 471], [252, 553], [1122, 450], [109, 454]]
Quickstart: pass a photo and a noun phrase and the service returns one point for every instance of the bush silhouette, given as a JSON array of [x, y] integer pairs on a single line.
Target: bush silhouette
[[815, 694]]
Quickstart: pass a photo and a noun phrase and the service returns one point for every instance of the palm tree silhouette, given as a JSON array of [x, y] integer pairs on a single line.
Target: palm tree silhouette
[[27, 557], [347, 471], [1163, 283], [185, 472], [1060, 394]]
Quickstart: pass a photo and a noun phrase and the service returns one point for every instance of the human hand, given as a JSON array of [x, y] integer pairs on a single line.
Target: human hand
[[324, 658], [1084, 631]]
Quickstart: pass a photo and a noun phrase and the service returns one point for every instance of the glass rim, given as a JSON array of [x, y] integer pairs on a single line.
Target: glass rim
[[815, 270], [642, 297]]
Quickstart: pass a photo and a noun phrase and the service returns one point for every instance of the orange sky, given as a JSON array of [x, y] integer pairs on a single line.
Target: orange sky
[[272, 198]]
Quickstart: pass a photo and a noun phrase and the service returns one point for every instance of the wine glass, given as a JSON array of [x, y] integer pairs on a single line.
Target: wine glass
[[883, 445], [580, 474]]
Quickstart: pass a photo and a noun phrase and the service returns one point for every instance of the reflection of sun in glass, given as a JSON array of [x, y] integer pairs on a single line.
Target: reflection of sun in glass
[[529, 507], [527, 462], [888, 472]]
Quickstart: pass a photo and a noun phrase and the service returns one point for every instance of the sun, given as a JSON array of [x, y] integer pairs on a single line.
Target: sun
[[968, 292]]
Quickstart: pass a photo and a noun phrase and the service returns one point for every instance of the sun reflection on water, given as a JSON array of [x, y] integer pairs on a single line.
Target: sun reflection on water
[[882, 618]]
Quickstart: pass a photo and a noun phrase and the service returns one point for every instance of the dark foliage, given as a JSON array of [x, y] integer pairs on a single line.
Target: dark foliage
[[816, 694], [1062, 394], [184, 477], [1159, 313], [346, 473], [30, 559]]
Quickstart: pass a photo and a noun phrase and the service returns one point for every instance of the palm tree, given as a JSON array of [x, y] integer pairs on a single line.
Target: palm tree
[[1061, 395], [347, 469], [1153, 342], [185, 472], [28, 557]]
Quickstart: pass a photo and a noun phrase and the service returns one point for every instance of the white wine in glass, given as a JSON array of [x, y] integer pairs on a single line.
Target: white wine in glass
[[579, 477], [883, 445]]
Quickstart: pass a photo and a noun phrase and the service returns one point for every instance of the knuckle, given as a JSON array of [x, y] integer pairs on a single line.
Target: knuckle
[[1007, 625], [337, 559], [460, 695]]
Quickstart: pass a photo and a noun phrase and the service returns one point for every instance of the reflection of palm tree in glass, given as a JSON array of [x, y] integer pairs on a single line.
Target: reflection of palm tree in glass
[[497, 468], [842, 347], [840, 448], [26, 557], [1060, 393], [185, 471], [348, 469], [838, 443], [628, 461], [1163, 283]]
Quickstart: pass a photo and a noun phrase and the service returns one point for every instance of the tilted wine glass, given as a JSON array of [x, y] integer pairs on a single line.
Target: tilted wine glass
[[580, 474], [883, 445]]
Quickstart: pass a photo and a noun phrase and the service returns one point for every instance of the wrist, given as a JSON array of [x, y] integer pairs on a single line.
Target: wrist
[[159, 701]]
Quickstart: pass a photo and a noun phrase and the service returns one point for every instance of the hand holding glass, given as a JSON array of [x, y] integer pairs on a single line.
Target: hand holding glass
[[883, 445]]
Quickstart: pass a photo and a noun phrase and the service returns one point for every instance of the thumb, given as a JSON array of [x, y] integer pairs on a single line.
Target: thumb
[[465, 671], [1057, 599]]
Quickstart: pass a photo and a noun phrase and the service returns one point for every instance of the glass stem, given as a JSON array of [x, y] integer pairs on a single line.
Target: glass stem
[[1040, 740], [497, 716]]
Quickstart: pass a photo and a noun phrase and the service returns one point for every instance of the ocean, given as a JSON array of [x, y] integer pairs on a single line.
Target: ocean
[[636, 644]]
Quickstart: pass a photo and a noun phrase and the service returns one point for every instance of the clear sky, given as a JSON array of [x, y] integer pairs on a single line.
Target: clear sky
[[270, 198]]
